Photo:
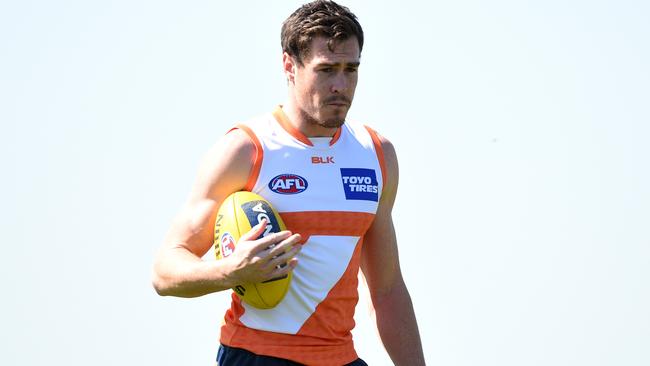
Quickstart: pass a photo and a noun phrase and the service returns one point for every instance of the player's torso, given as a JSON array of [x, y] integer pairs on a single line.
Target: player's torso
[[328, 191]]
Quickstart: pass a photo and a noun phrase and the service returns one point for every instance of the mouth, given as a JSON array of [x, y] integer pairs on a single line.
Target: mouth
[[338, 102]]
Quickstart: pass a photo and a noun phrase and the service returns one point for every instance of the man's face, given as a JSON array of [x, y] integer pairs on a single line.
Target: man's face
[[324, 86]]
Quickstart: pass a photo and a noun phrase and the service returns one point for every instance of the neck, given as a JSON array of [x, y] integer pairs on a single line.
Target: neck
[[304, 123]]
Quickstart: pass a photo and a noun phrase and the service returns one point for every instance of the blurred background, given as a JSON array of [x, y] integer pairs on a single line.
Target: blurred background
[[522, 130]]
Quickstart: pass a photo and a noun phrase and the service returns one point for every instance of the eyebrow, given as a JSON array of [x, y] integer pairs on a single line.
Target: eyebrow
[[328, 64]]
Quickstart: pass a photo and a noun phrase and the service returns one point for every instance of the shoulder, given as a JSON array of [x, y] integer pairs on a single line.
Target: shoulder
[[388, 157], [381, 141], [389, 150], [226, 166], [236, 146]]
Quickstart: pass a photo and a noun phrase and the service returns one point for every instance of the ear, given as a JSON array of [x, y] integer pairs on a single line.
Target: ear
[[289, 66]]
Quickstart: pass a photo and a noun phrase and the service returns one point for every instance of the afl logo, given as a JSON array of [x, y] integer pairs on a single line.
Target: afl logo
[[227, 244], [288, 184]]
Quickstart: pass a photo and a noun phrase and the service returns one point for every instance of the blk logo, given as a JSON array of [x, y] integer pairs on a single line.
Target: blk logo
[[322, 160]]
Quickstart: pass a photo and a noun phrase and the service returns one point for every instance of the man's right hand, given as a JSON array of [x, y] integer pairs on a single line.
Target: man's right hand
[[258, 259]]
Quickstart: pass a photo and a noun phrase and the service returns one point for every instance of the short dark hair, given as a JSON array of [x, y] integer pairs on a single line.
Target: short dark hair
[[318, 18]]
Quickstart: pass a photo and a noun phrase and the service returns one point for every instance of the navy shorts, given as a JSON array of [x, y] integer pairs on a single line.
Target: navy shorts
[[229, 356]]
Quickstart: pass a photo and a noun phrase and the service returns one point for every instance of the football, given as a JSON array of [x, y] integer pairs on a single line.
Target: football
[[238, 213]]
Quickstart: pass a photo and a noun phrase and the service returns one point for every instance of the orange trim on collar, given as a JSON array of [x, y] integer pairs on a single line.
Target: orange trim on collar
[[283, 120], [336, 136]]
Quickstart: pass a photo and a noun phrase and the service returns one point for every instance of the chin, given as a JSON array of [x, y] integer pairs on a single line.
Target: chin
[[332, 122]]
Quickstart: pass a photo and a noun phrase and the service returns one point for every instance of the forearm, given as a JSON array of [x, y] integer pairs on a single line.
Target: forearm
[[178, 272], [398, 327]]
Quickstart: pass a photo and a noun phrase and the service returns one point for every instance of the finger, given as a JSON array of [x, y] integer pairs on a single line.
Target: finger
[[282, 256], [282, 259], [282, 271], [270, 240], [255, 231], [284, 246]]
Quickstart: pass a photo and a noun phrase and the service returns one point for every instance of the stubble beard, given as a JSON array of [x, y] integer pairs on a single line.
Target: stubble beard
[[334, 121], [337, 118]]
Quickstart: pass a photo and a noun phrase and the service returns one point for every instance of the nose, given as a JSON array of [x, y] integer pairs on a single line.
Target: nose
[[339, 83]]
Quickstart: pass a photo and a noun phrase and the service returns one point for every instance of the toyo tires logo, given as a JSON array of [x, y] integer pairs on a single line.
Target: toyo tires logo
[[288, 184], [360, 184]]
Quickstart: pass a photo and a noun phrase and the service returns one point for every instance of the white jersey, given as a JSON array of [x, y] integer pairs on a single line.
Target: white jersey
[[327, 190]]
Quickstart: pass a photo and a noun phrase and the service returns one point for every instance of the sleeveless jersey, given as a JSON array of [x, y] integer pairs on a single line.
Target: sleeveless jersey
[[329, 194]]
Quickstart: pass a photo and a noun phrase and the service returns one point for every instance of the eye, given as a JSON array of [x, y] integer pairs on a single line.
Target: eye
[[351, 69], [327, 70]]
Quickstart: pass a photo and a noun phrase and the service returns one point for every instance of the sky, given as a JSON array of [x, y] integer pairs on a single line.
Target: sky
[[521, 128]]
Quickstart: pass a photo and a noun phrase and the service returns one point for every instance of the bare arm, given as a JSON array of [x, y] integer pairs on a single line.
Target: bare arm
[[396, 321], [178, 267]]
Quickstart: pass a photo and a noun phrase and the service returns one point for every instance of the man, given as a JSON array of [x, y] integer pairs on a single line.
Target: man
[[338, 221]]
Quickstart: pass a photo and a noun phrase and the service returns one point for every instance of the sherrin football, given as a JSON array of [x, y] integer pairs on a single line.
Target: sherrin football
[[238, 213]]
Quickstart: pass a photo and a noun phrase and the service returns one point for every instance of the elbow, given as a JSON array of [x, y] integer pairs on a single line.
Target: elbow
[[160, 284], [397, 291], [162, 278]]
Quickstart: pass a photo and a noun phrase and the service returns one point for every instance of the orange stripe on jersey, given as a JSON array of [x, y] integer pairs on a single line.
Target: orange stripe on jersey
[[380, 153], [256, 160], [327, 223]]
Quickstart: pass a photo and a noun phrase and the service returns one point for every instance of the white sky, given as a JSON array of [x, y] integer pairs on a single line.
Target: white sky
[[522, 130]]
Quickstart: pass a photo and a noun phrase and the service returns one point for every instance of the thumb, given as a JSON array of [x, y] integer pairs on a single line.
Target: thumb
[[255, 231]]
